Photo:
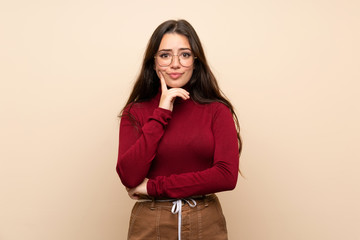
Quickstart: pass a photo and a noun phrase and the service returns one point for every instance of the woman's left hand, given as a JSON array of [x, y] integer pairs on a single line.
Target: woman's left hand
[[138, 192]]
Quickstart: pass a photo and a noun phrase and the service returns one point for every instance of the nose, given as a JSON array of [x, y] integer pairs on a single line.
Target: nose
[[175, 62]]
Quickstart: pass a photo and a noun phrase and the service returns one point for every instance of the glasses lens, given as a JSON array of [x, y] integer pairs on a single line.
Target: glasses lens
[[185, 58], [164, 58]]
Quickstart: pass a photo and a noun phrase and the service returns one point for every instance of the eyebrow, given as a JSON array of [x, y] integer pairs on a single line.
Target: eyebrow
[[170, 50]]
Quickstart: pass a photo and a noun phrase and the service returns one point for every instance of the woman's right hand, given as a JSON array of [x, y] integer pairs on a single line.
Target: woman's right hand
[[138, 192], [168, 96]]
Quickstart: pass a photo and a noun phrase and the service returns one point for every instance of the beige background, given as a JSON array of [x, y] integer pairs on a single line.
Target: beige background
[[291, 68]]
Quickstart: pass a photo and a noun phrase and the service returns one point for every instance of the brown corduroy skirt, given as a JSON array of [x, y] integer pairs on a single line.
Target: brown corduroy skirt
[[153, 220]]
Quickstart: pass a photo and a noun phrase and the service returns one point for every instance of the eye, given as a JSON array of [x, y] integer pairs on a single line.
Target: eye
[[164, 55], [185, 54]]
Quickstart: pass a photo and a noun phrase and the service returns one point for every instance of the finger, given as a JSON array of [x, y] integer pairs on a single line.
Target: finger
[[184, 96], [179, 93], [135, 197], [162, 81], [178, 90], [132, 194]]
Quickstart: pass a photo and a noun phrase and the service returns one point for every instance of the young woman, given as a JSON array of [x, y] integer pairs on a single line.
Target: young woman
[[179, 141]]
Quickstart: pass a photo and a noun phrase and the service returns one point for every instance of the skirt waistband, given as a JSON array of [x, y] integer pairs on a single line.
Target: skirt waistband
[[177, 205], [160, 199]]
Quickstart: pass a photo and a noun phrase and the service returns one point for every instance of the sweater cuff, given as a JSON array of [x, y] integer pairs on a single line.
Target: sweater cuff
[[151, 189], [161, 115], [156, 187]]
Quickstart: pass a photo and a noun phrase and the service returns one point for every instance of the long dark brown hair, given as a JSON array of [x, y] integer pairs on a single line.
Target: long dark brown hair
[[203, 86]]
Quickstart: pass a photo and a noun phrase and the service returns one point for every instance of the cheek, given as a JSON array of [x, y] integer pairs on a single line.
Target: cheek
[[157, 68], [189, 73], [161, 69]]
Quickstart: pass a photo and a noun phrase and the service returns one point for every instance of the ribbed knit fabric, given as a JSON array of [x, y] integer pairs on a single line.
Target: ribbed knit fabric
[[192, 150]]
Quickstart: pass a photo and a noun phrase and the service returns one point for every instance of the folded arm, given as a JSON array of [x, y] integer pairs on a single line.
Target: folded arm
[[137, 147], [221, 176]]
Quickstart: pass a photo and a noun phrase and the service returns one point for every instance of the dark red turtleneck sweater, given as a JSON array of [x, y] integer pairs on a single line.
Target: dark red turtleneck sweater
[[190, 151]]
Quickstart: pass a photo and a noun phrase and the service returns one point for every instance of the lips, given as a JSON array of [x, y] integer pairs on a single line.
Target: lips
[[175, 75]]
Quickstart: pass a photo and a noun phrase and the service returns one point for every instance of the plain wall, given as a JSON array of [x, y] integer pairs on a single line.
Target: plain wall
[[291, 69]]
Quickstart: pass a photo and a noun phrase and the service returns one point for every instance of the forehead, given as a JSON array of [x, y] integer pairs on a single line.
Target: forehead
[[174, 41]]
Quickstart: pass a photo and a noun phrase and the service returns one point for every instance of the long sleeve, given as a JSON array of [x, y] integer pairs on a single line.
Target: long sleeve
[[223, 173], [137, 147]]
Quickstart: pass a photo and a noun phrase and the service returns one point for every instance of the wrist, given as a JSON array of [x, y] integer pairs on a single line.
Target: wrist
[[150, 188], [165, 106]]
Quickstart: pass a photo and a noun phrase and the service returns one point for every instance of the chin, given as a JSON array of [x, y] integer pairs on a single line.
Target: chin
[[175, 84]]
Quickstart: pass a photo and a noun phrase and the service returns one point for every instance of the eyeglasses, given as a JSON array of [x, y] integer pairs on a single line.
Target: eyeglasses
[[165, 58]]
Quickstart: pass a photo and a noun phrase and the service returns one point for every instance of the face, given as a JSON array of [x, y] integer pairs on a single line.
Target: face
[[176, 75]]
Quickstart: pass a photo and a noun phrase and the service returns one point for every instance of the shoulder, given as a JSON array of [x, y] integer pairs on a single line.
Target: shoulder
[[215, 110], [219, 108], [220, 113], [140, 111], [139, 108]]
